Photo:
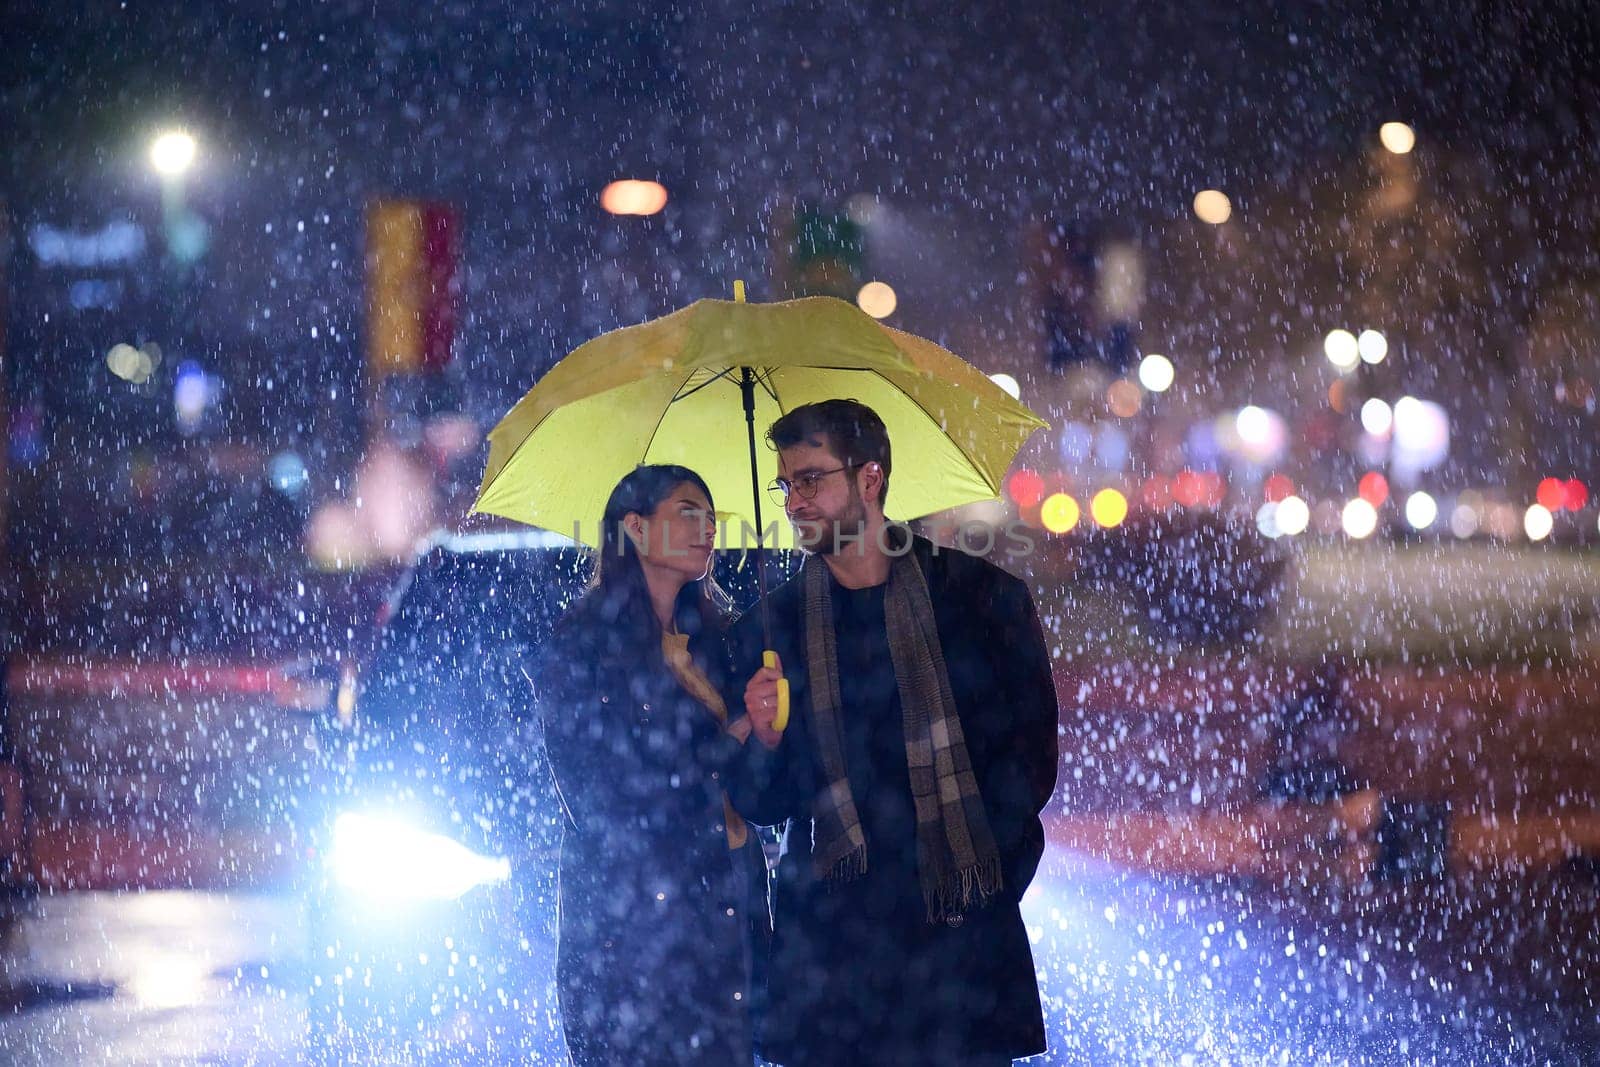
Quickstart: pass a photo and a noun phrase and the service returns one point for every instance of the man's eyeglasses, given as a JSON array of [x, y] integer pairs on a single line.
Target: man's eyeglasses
[[806, 485]]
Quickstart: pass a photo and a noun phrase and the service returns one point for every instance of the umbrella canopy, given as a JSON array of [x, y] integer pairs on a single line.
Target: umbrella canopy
[[668, 391]]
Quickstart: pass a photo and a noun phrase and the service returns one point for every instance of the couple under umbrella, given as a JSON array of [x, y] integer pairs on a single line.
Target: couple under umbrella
[[922, 743]]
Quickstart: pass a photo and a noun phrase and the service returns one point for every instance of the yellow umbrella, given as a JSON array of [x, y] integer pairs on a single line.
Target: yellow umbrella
[[669, 391]]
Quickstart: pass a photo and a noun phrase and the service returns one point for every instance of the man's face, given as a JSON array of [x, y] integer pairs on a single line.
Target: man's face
[[836, 511]]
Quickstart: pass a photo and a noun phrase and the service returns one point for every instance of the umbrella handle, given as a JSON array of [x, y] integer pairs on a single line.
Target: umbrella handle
[[781, 719]]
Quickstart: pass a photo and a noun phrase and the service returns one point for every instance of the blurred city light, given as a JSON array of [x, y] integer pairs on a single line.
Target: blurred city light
[[1293, 516], [1026, 488], [1124, 399], [287, 473], [1008, 383], [1372, 346], [1267, 521], [172, 153], [633, 197], [1373, 488], [1059, 514], [1377, 418], [132, 365], [1278, 487], [1360, 518], [1260, 436], [1577, 495], [192, 393], [1421, 435], [1464, 521], [1212, 206], [1551, 494], [877, 299], [1397, 137], [1109, 508], [1342, 349], [1421, 510], [1537, 522], [1156, 373]]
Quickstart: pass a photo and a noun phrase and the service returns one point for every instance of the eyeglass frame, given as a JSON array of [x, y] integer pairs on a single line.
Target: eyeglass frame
[[812, 478]]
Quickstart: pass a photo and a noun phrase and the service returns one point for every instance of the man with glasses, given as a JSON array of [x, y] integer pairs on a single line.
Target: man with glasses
[[920, 750]]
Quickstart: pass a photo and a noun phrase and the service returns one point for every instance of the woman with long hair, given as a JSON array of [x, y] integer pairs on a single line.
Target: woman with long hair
[[662, 884]]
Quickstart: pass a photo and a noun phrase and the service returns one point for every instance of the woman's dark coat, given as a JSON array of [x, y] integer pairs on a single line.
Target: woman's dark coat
[[652, 964]]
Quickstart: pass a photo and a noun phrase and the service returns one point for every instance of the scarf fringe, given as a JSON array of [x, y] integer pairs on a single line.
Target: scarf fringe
[[964, 890]]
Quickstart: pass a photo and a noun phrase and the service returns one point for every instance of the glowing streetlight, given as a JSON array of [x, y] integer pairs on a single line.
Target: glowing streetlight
[[1213, 206], [1109, 508], [172, 153], [1397, 137]]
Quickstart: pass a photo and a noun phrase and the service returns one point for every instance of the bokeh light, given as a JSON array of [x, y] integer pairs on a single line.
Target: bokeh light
[[1293, 516], [1551, 494], [1156, 373], [1421, 510], [877, 299], [1213, 206], [1377, 418], [1537, 522], [1373, 488], [1060, 513], [1359, 519], [1372, 346], [1342, 349], [1025, 487], [1397, 137], [1007, 383], [1109, 508], [1124, 399], [633, 197]]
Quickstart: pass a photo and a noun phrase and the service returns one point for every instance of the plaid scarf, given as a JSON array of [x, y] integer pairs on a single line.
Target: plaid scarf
[[958, 864]]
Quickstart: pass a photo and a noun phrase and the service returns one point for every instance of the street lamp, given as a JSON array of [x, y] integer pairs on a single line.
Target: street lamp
[[172, 153]]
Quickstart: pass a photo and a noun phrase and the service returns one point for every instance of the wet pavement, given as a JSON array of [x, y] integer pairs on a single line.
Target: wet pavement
[[1134, 970]]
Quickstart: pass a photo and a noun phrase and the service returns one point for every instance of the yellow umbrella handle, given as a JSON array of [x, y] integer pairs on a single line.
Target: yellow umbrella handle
[[780, 720]]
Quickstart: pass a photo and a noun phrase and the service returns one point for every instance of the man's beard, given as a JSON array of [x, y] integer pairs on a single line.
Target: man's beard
[[831, 536]]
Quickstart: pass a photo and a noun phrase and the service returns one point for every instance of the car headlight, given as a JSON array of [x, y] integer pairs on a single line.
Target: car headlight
[[384, 857]]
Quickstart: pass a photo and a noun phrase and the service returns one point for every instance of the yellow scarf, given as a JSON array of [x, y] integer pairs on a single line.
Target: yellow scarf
[[675, 650]]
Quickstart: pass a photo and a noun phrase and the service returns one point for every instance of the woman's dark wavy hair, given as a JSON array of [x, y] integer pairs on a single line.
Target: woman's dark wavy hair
[[617, 586]]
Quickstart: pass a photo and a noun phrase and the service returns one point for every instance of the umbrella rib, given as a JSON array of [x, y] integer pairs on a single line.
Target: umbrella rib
[[709, 381], [929, 415], [656, 429]]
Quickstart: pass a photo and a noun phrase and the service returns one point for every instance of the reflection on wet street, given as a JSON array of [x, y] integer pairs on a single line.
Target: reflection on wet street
[[1134, 970], [153, 978]]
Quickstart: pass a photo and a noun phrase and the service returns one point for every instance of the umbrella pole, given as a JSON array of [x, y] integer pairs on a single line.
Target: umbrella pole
[[769, 656], [747, 386]]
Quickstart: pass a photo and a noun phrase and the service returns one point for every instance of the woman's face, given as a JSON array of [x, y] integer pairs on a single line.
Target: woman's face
[[679, 535]]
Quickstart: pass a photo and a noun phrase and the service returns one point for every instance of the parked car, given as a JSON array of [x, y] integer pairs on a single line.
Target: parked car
[[433, 905]]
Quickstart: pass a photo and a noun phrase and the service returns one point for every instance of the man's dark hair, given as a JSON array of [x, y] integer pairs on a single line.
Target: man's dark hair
[[854, 432]]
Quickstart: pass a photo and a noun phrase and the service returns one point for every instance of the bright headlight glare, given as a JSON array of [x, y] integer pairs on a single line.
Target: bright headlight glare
[[381, 856]]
